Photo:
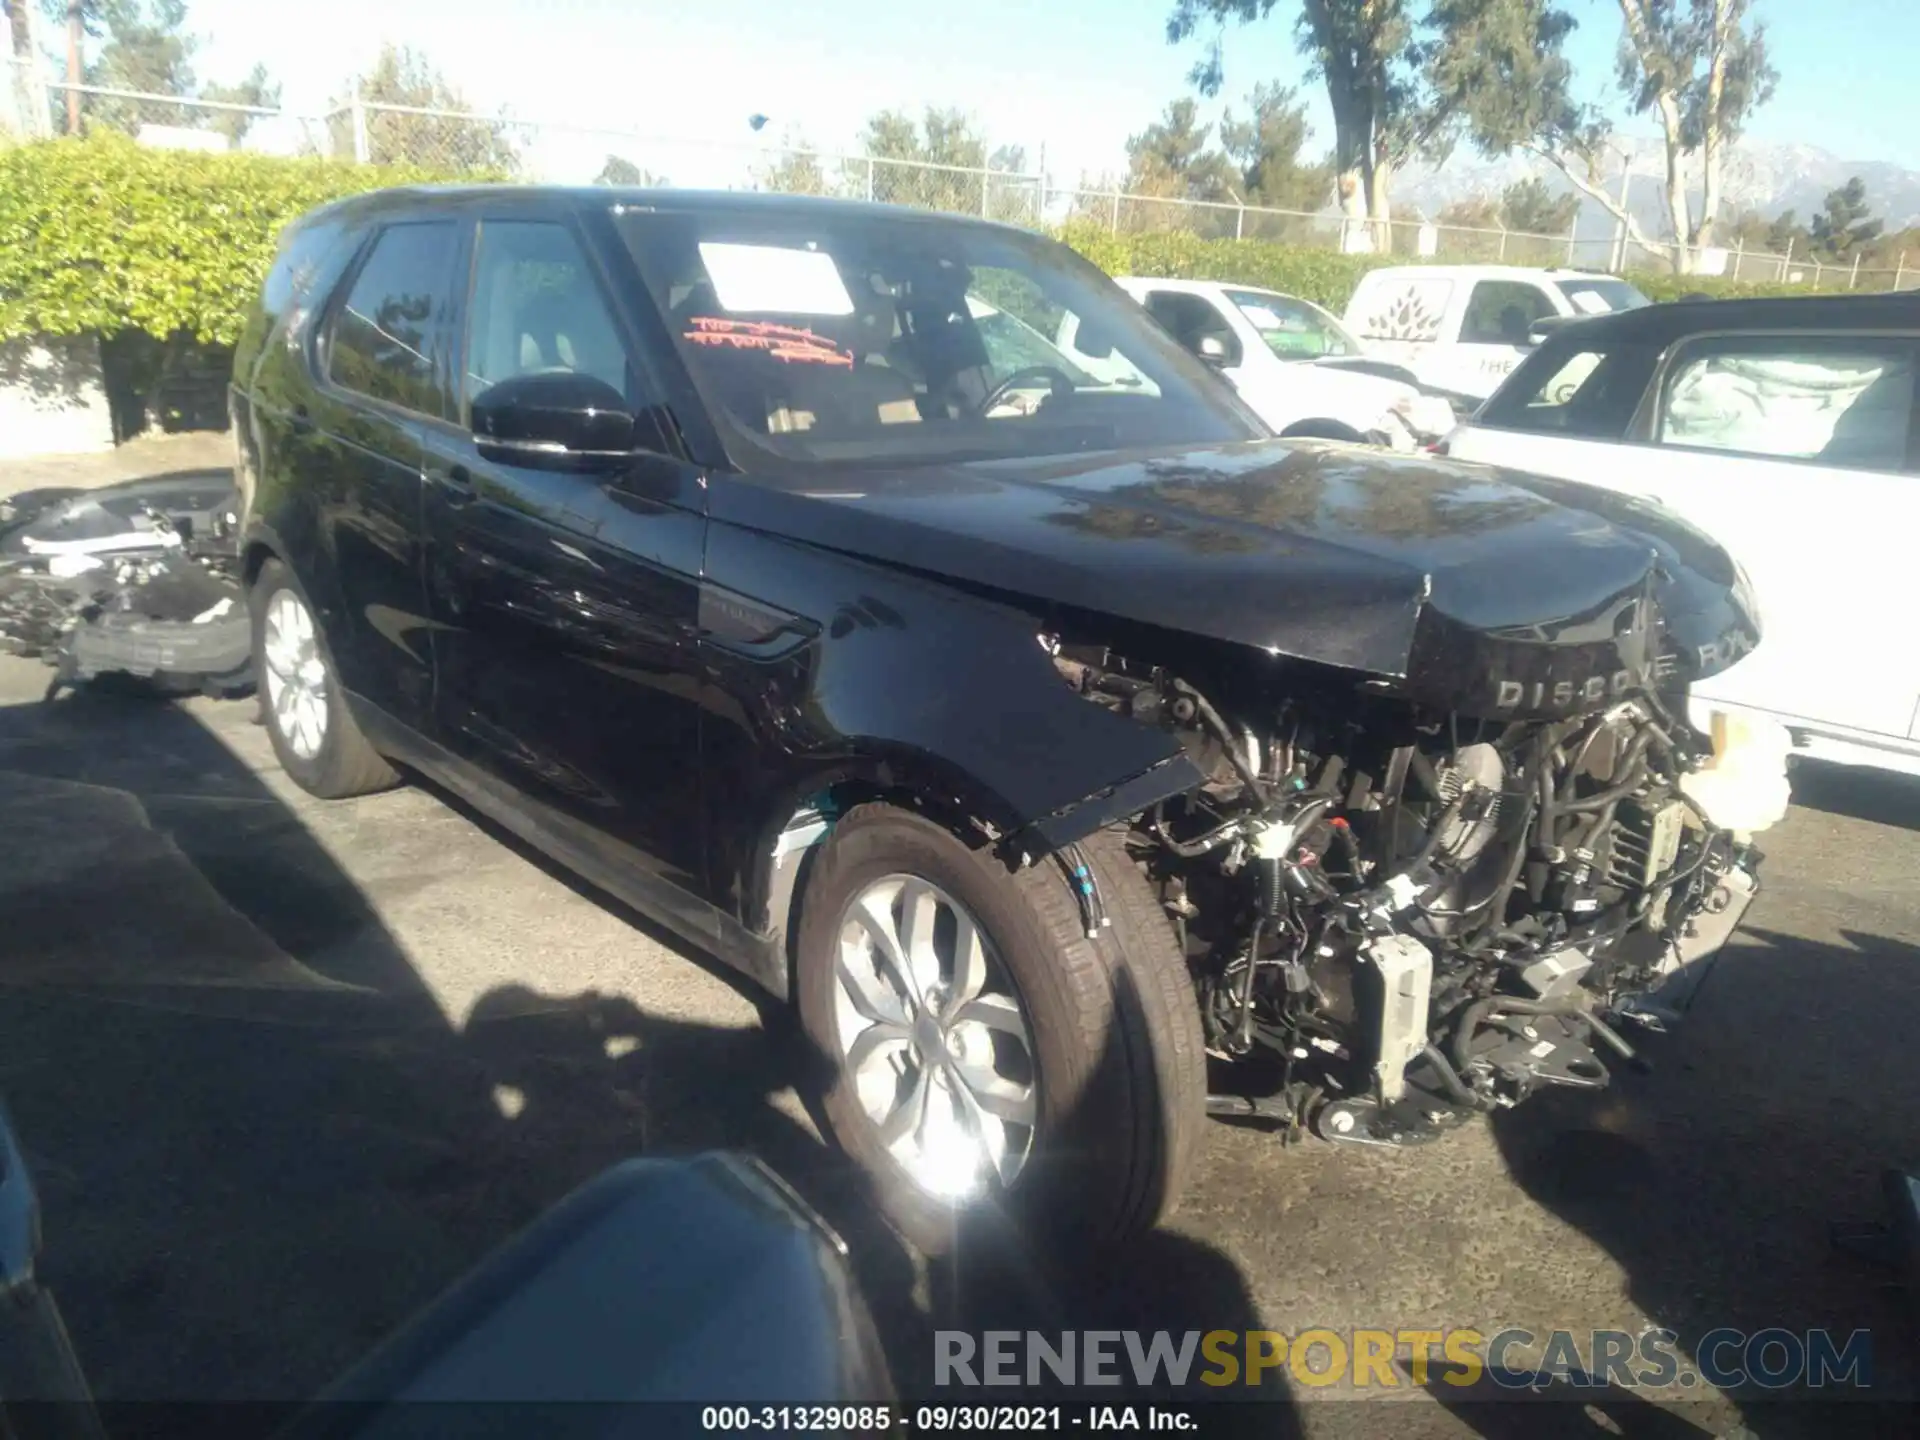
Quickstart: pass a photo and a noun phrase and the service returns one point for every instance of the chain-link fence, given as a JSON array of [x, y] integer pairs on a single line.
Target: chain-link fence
[[505, 148], [1761, 267], [41, 109]]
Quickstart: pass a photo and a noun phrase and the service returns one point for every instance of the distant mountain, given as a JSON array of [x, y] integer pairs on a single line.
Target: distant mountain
[[1764, 178]]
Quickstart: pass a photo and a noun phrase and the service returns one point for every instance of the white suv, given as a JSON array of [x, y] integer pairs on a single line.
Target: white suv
[[1293, 363], [1788, 431], [1462, 328]]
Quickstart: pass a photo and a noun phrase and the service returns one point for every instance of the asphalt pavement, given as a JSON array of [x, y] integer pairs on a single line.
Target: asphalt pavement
[[286, 1068]]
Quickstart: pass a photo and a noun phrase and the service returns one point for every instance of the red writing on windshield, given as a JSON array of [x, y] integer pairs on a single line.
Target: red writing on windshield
[[783, 342]]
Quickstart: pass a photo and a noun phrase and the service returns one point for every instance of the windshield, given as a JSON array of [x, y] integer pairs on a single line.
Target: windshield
[[847, 335], [1294, 329], [1601, 297]]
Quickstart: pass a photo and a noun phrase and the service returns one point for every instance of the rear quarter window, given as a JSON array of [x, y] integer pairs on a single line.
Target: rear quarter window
[[1833, 400], [306, 257]]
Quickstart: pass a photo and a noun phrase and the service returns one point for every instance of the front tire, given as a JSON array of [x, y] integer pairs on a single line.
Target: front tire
[[302, 703], [1323, 430], [983, 1055]]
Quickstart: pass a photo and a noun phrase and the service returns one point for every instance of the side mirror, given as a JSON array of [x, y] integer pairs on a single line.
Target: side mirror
[[1090, 339], [1212, 350], [555, 421]]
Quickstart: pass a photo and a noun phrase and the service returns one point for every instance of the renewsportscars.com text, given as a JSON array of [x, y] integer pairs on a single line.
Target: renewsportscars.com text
[[1724, 1359]]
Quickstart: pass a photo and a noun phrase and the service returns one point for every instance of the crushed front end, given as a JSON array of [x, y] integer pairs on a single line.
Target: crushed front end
[[1405, 902]]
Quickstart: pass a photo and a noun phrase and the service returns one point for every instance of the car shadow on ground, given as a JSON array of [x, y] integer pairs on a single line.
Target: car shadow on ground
[[1878, 796], [261, 1146], [1712, 1181]]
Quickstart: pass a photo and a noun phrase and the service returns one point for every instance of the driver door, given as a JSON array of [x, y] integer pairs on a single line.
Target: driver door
[[564, 604], [1493, 335]]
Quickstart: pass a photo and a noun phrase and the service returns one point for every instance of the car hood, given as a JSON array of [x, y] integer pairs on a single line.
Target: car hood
[[1342, 555]]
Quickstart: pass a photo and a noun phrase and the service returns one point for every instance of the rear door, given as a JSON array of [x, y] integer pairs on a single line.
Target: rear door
[[381, 370], [1796, 452]]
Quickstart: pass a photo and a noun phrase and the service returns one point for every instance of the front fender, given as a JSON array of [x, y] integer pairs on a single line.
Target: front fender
[[828, 670]]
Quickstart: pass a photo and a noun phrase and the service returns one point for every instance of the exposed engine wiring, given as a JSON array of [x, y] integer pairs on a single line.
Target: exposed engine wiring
[[1474, 868]]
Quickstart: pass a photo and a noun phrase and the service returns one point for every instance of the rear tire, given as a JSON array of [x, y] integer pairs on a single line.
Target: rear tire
[[1116, 1078], [302, 703]]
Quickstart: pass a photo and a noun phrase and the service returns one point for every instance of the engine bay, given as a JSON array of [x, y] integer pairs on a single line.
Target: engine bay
[[1395, 919]]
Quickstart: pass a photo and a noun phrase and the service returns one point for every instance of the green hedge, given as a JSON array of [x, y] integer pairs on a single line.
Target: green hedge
[[103, 235], [1324, 276], [1657, 285]]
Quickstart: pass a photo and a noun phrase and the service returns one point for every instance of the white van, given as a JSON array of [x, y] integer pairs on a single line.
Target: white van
[[1462, 328]]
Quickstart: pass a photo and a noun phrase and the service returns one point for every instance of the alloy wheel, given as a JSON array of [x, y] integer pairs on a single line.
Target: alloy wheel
[[935, 1041], [296, 675]]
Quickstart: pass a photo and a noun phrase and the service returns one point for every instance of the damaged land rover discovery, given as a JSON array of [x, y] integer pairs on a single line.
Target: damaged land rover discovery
[[1075, 756]]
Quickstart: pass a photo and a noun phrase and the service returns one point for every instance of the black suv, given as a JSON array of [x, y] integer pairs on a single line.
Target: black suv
[[881, 601]]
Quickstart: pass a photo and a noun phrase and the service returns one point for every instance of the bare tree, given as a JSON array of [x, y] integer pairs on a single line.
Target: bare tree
[[1705, 68]]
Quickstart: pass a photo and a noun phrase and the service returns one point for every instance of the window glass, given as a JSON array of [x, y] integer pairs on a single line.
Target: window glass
[[1012, 345], [1500, 312], [1293, 329], [823, 336], [383, 335], [536, 309], [1108, 366], [296, 265], [1602, 296], [1192, 318], [1842, 402], [1591, 394]]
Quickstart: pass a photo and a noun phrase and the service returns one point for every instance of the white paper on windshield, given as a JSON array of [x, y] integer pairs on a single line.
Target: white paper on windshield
[[1588, 303], [1262, 317], [761, 278]]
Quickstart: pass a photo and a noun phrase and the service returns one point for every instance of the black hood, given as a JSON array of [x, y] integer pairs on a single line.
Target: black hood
[[1340, 555]]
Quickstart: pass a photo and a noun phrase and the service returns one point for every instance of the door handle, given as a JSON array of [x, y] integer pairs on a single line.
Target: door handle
[[455, 483]]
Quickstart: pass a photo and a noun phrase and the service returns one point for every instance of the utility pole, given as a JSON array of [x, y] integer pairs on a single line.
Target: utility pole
[[1620, 225]]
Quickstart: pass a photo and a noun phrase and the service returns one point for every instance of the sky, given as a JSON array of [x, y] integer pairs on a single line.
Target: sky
[[1073, 78]]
